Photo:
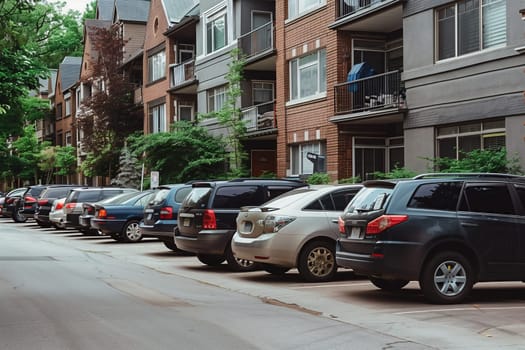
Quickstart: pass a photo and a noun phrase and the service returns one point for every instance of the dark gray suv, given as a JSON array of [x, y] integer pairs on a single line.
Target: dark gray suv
[[447, 231]]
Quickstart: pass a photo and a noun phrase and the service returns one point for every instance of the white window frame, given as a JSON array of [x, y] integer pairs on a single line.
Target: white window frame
[[157, 66], [210, 18], [219, 96], [295, 68], [68, 138], [298, 154], [67, 104], [186, 106], [297, 8], [262, 85], [482, 4], [157, 118]]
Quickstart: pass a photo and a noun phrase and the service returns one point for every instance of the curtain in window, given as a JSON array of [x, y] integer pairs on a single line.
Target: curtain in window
[[494, 23]]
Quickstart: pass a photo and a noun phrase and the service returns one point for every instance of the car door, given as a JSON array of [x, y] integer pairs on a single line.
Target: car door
[[488, 216], [519, 190]]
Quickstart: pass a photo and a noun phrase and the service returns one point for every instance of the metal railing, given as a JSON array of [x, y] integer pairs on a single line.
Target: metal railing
[[257, 41], [259, 117], [377, 92], [182, 73], [347, 7]]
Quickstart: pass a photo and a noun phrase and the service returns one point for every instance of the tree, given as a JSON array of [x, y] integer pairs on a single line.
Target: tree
[[66, 160], [108, 116], [27, 149], [187, 152], [129, 174], [46, 163], [486, 160], [230, 115]]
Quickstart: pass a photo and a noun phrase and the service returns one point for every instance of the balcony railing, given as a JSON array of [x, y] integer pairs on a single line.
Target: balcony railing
[[259, 117], [182, 73], [347, 7], [373, 93], [257, 41]]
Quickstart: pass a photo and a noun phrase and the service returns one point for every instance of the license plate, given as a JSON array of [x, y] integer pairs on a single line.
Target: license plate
[[356, 233], [186, 222], [149, 216]]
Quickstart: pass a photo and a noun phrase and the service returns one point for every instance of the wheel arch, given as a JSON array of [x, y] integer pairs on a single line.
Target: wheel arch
[[326, 239]]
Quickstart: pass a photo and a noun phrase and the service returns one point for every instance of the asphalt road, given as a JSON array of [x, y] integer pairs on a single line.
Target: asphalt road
[[63, 290]]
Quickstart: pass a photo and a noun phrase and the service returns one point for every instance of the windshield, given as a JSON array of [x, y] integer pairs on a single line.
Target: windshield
[[119, 198], [160, 196], [197, 198], [287, 198], [369, 199]]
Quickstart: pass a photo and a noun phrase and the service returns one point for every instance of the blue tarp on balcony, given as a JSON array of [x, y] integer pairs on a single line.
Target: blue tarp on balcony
[[359, 71]]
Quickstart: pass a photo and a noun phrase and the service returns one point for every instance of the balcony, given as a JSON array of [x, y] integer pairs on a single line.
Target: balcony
[[137, 95], [382, 92], [258, 48], [182, 74], [383, 16], [259, 117]]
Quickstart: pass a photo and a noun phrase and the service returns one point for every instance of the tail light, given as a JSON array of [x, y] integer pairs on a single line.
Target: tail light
[[341, 224], [384, 222], [166, 213], [70, 206], [30, 199], [42, 202], [208, 220], [59, 206], [10, 200], [275, 223], [102, 213]]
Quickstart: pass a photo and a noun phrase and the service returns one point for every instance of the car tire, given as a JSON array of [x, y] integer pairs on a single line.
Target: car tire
[[317, 261], [275, 269], [211, 260], [19, 217], [170, 244], [116, 236], [239, 265], [131, 232], [388, 285], [58, 226], [447, 278]]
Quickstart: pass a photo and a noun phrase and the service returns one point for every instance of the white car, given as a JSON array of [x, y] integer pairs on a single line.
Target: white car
[[297, 229], [57, 216]]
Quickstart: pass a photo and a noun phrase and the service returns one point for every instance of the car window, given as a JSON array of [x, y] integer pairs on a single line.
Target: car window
[[274, 191], [487, 199], [181, 194], [520, 190], [198, 197], [437, 196], [342, 198], [109, 193], [120, 198], [56, 192], [160, 196], [369, 199], [144, 200], [234, 197], [87, 196]]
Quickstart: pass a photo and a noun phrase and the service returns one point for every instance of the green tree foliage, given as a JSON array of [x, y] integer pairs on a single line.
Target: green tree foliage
[[230, 115], [46, 163], [129, 173], [27, 149], [187, 152], [66, 160], [318, 179], [108, 116]]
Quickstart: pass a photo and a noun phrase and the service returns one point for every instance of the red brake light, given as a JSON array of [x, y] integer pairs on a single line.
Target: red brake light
[[102, 213], [29, 199], [59, 206], [208, 220], [43, 201], [70, 205], [384, 222], [166, 213], [341, 224]]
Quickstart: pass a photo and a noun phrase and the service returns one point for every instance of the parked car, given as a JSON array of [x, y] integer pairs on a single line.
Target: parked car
[[11, 201], [446, 231], [46, 200], [207, 217], [75, 199], [25, 206], [57, 216], [297, 229], [121, 220], [160, 214], [88, 210]]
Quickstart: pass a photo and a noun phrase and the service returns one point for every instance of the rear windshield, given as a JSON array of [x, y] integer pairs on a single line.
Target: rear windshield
[[369, 199], [35, 191], [181, 194], [160, 196], [56, 192], [121, 198], [83, 196], [197, 198]]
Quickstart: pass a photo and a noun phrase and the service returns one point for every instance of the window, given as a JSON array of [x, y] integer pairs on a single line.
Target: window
[[454, 141], [69, 139], [67, 103], [217, 98], [437, 196], [372, 155], [262, 92], [470, 25], [59, 111], [235, 197], [521, 194], [157, 115], [156, 66], [491, 198], [77, 102], [308, 75], [333, 201], [186, 113], [216, 31], [300, 164], [297, 7]]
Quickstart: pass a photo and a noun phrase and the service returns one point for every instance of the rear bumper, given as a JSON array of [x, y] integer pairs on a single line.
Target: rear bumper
[[211, 242], [160, 230], [108, 226]]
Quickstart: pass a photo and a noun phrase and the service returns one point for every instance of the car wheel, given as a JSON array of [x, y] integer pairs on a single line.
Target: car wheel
[[19, 217], [239, 265], [389, 285], [210, 260], [275, 269], [447, 278], [317, 261], [116, 236], [59, 226], [170, 244], [131, 232]]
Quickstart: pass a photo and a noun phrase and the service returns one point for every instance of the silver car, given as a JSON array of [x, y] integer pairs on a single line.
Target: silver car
[[297, 229], [57, 216]]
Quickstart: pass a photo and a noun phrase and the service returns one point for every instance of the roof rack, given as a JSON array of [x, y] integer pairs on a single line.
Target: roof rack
[[470, 175]]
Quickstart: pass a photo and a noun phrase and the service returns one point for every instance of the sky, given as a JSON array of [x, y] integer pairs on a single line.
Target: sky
[[79, 5]]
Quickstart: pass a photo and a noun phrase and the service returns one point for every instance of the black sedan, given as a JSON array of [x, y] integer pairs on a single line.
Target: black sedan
[[121, 221]]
